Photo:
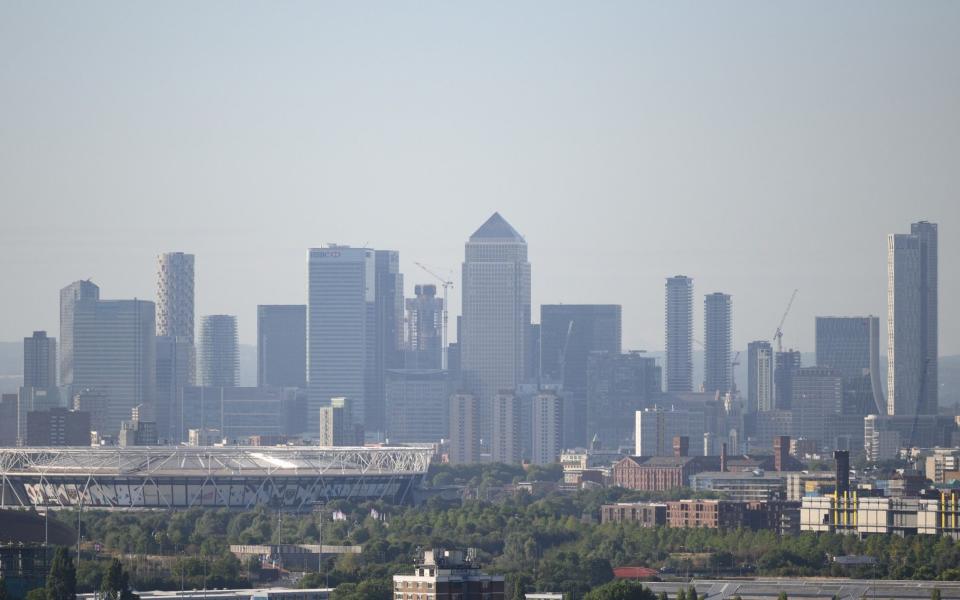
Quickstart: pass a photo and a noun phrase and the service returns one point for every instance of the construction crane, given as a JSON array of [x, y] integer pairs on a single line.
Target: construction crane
[[778, 336], [446, 285]]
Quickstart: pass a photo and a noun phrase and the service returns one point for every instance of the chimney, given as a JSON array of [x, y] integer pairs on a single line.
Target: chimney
[[681, 445], [723, 457], [781, 450], [843, 471]]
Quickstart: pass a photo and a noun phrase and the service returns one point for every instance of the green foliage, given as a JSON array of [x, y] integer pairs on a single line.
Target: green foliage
[[935, 594], [692, 593], [62, 579], [373, 589], [116, 584], [37, 594], [620, 589], [782, 596], [4, 594], [681, 595], [662, 596]]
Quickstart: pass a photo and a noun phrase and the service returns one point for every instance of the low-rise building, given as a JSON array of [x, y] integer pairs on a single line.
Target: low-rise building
[[859, 515], [447, 575], [660, 473], [708, 514], [647, 514], [744, 486]]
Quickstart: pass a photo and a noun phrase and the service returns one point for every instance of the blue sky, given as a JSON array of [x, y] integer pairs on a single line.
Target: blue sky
[[755, 146]]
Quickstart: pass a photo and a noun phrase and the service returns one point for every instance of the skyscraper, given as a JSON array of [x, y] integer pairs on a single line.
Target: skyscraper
[[496, 313], [40, 361], [175, 364], [851, 346], [175, 308], [77, 295], [219, 354], [175, 295], [341, 340], [424, 329], [759, 376], [785, 367], [568, 334], [912, 321], [388, 332], [112, 349], [618, 385], [679, 334], [464, 433], [717, 342], [282, 345]]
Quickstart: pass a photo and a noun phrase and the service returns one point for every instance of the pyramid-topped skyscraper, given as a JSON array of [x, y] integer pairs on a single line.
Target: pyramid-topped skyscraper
[[496, 314]]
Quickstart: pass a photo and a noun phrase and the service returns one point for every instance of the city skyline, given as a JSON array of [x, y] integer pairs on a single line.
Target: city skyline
[[692, 147]]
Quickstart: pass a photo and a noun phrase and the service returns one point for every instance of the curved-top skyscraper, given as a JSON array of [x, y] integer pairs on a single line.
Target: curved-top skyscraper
[[496, 314]]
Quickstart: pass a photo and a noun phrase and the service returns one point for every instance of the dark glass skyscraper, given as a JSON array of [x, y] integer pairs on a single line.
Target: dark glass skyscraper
[[851, 347], [40, 361], [618, 385], [282, 345], [568, 334]]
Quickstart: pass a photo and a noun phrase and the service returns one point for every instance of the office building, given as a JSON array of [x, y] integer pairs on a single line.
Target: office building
[[679, 334], [175, 368], [657, 428], [496, 314], [388, 327], [547, 428], [884, 435], [58, 427], [717, 342], [568, 334], [759, 376], [236, 412], [94, 403], [743, 486], [424, 329], [40, 361], [448, 575], [78, 295], [851, 346], [341, 340], [337, 427], [817, 403], [417, 406], [505, 434], [464, 429], [9, 416], [110, 347], [218, 352], [282, 345], [618, 385], [786, 365], [912, 321]]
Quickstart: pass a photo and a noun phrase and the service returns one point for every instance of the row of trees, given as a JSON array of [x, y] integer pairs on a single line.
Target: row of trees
[[549, 542]]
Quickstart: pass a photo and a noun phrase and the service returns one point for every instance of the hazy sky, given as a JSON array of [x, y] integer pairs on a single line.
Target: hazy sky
[[755, 146]]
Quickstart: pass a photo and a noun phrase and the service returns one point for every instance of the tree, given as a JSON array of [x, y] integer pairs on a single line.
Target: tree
[[692, 593], [662, 596], [4, 594], [62, 579], [620, 589], [37, 594], [116, 584], [681, 595], [935, 594], [782, 596]]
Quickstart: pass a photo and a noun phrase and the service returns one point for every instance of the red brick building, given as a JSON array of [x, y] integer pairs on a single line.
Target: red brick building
[[659, 473], [709, 514]]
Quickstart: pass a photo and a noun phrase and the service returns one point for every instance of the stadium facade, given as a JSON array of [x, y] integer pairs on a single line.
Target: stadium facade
[[290, 478]]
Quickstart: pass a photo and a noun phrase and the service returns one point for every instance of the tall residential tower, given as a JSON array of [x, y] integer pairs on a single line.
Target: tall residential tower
[[716, 343], [679, 334], [219, 353]]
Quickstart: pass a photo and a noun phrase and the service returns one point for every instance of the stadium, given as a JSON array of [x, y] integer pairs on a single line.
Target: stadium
[[289, 478]]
